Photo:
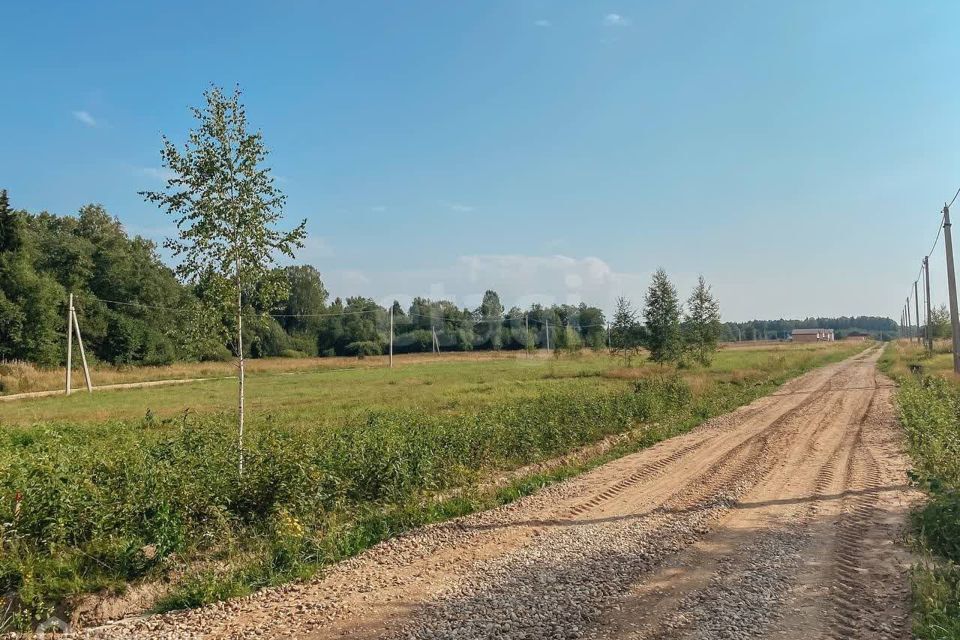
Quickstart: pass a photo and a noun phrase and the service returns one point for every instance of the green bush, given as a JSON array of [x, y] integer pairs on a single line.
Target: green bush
[[293, 353], [215, 353], [364, 348]]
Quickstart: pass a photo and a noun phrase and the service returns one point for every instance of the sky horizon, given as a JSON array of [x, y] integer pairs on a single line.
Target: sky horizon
[[795, 154]]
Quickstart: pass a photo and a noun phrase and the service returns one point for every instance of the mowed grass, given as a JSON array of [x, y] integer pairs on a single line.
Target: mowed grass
[[98, 491], [19, 377], [447, 383]]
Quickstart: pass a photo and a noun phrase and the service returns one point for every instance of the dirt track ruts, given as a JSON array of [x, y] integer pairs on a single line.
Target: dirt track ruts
[[779, 520]]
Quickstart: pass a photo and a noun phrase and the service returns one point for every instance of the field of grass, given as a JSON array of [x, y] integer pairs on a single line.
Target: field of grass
[[98, 491], [20, 377], [903, 358], [928, 404]]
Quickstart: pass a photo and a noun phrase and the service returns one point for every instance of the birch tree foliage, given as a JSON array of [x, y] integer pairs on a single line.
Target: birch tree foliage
[[625, 335], [226, 206]]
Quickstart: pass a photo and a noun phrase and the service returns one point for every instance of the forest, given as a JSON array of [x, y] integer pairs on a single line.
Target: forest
[[881, 328], [134, 310]]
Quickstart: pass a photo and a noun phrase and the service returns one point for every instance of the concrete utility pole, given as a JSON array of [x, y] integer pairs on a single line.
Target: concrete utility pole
[[391, 336], [548, 335], [69, 341], [909, 321], [952, 289], [926, 281], [83, 354], [916, 308]]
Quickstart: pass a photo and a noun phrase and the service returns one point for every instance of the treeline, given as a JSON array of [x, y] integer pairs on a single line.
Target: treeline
[[44, 256], [134, 310], [780, 329]]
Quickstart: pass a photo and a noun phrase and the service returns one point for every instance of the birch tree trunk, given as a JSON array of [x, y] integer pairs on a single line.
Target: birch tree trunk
[[240, 354]]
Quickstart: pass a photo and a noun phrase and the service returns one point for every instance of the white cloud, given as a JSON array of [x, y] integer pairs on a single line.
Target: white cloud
[[353, 279], [615, 20], [85, 118], [378, 208], [543, 23], [157, 173], [314, 249], [458, 207], [519, 279]]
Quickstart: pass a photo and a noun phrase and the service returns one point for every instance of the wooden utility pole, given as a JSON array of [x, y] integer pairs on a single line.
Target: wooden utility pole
[[83, 355], [926, 286], [69, 342], [952, 289], [391, 336]]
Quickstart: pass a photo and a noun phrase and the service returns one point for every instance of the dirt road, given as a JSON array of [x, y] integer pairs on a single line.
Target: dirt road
[[779, 520]]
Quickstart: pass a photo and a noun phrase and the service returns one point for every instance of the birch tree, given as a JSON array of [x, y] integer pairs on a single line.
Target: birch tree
[[227, 208], [624, 332]]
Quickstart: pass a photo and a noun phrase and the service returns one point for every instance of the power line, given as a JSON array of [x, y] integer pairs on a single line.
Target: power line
[[954, 197], [912, 291]]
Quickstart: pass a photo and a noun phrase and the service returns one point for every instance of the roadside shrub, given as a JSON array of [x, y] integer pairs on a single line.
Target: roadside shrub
[[662, 394]]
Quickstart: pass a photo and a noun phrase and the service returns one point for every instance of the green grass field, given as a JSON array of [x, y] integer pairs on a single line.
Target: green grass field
[[98, 491], [444, 384]]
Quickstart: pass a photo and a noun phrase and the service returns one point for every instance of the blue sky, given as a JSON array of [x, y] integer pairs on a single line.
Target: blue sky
[[795, 153]]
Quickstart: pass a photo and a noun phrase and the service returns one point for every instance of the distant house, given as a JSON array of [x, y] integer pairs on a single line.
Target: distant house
[[856, 336], [812, 335]]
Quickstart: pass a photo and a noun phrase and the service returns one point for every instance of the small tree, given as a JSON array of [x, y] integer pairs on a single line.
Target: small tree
[[11, 225], [226, 207], [490, 320], [702, 323], [624, 331], [940, 322], [662, 315]]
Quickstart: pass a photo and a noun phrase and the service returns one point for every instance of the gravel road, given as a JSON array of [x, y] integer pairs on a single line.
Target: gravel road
[[779, 520]]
